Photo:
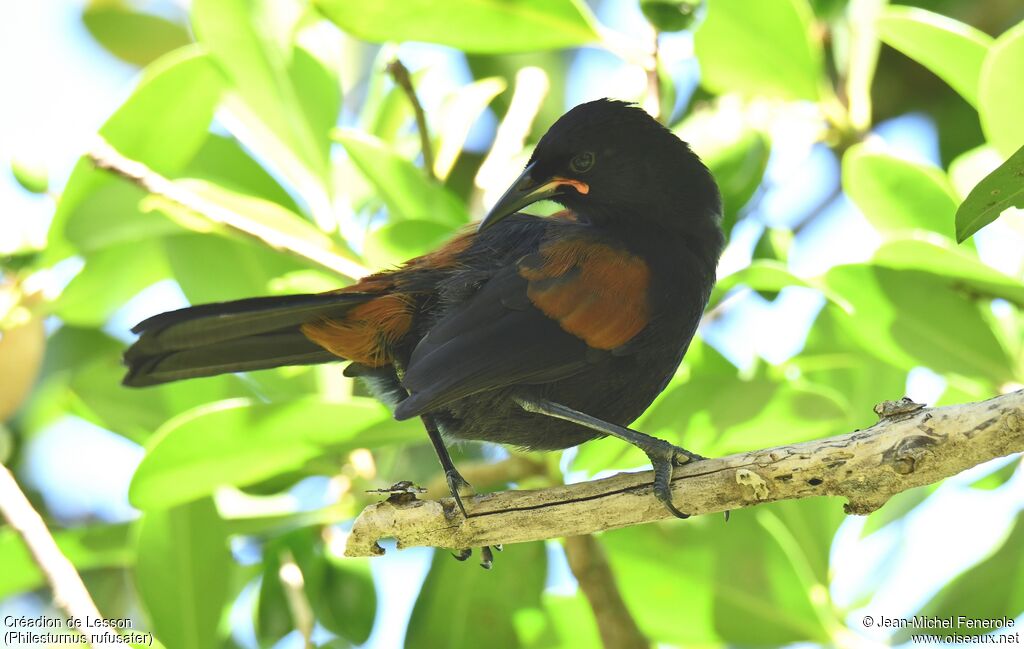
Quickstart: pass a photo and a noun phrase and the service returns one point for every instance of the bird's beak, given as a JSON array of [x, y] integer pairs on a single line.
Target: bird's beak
[[526, 191]]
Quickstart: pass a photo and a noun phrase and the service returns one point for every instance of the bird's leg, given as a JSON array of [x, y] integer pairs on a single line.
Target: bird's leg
[[451, 475], [455, 480], [455, 483], [663, 456]]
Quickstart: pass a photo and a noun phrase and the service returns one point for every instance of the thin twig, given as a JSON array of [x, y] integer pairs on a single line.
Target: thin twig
[[815, 212], [69, 593], [294, 584], [106, 157], [400, 74], [589, 564], [902, 451], [652, 101]]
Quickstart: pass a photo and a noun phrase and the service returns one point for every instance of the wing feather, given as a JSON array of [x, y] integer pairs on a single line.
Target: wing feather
[[542, 319]]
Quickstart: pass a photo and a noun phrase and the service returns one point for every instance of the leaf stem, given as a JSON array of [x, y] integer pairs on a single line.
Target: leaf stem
[[400, 74]]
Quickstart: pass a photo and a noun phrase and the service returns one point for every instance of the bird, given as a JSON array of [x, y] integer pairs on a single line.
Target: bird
[[539, 332]]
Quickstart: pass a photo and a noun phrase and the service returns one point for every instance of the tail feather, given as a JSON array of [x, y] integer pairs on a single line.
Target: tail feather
[[205, 324], [252, 334], [258, 352]]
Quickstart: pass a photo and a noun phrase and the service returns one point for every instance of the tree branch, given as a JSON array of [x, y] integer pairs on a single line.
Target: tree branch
[[589, 564], [910, 446], [108, 158], [69, 593]]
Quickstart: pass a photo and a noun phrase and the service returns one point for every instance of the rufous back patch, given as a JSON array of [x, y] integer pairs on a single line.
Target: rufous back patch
[[596, 292]]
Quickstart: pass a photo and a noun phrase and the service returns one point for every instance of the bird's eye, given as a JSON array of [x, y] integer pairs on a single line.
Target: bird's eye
[[582, 162]]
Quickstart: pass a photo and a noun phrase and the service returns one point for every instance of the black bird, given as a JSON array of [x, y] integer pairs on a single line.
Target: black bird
[[541, 333]]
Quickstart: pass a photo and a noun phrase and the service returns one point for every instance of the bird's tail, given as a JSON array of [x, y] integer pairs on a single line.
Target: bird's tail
[[252, 334]]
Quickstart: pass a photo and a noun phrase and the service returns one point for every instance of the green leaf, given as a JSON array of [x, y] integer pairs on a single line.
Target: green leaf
[[272, 618], [223, 161], [110, 215], [284, 100], [565, 623], [669, 15], [137, 414], [962, 270], [774, 244], [182, 573], [712, 410], [771, 577], [95, 546], [897, 195], [760, 275], [459, 604], [347, 602], [232, 214], [394, 243], [243, 268], [103, 286], [967, 169], [991, 589], [1001, 94], [996, 193], [949, 48], [476, 26], [162, 124], [31, 174], [339, 590], [754, 574], [405, 188], [735, 153], [458, 115], [832, 358], [274, 615], [760, 48], [239, 442], [664, 569], [893, 317], [134, 37]]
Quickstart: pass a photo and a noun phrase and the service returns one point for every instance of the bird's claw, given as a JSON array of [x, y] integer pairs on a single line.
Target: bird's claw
[[486, 558], [663, 485], [456, 483], [664, 457], [680, 456], [486, 555]]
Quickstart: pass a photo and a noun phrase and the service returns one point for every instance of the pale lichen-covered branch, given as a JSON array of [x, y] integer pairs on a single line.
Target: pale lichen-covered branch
[[69, 593], [910, 446]]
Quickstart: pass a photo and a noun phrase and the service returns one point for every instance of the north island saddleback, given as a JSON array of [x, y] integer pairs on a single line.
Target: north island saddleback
[[538, 332]]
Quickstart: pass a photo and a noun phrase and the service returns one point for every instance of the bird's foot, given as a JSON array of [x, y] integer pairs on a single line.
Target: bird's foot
[[456, 485], [486, 555], [664, 457]]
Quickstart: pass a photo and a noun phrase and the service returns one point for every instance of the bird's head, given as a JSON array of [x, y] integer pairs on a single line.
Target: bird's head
[[612, 163]]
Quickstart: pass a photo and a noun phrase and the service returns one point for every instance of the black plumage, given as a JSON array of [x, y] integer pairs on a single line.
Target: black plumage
[[538, 332]]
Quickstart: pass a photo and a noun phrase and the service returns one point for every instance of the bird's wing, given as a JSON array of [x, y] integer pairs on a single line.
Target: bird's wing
[[542, 319]]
